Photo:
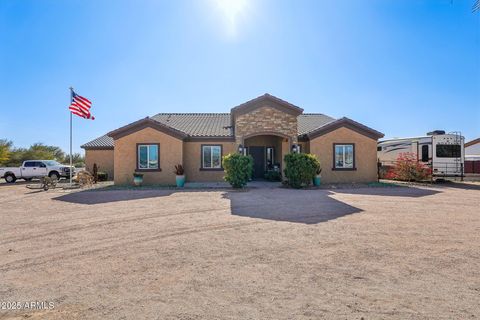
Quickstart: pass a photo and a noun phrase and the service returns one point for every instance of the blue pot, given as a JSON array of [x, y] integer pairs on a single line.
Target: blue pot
[[180, 180], [138, 180], [316, 181]]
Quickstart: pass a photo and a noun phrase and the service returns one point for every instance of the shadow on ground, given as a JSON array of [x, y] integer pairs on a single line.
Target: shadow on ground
[[277, 204], [457, 185], [99, 197], [299, 206], [18, 182], [400, 191]]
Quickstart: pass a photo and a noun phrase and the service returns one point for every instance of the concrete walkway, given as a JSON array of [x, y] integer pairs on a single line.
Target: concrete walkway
[[223, 185]]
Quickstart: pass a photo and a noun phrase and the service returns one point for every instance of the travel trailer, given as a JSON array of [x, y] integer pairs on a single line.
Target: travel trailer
[[442, 152]]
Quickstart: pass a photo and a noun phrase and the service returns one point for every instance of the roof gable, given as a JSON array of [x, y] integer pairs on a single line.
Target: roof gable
[[347, 123], [266, 100], [146, 123]]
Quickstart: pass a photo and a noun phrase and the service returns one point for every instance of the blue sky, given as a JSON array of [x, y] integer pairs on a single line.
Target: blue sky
[[401, 67]]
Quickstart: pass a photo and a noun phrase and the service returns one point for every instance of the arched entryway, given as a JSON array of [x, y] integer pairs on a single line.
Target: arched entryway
[[267, 150]]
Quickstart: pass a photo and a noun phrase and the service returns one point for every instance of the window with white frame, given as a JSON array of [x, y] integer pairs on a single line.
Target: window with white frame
[[148, 155], [344, 157], [211, 157]]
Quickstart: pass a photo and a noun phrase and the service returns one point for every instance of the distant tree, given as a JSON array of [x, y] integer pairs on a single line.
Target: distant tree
[[14, 157], [78, 160], [41, 151], [5, 150]]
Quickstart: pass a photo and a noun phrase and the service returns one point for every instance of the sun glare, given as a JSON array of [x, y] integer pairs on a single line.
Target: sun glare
[[231, 11]]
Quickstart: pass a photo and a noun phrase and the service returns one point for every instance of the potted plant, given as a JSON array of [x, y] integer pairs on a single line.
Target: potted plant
[[137, 178], [180, 178], [318, 178]]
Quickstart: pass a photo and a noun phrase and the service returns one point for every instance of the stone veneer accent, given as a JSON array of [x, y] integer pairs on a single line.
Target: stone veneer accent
[[265, 120]]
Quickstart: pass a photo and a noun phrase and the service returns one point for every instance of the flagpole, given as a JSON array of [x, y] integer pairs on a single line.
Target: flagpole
[[71, 97]]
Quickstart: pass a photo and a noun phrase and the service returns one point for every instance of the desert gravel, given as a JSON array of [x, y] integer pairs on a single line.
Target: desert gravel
[[265, 253]]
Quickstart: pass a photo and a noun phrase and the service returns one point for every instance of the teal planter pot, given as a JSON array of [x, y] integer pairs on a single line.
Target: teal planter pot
[[138, 179], [317, 180], [180, 181]]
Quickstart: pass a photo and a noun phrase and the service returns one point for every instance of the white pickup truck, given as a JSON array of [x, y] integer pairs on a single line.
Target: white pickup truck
[[35, 169]]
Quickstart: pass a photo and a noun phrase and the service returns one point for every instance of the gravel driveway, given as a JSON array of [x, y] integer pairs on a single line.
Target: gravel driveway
[[376, 253]]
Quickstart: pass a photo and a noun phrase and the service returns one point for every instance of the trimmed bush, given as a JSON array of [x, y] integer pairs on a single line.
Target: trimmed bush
[[300, 169], [238, 169]]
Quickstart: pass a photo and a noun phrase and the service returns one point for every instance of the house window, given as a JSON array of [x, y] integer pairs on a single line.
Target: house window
[[344, 156], [148, 157], [211, 157]]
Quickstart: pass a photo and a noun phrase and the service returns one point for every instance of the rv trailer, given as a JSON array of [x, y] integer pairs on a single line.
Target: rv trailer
[[443, 153]]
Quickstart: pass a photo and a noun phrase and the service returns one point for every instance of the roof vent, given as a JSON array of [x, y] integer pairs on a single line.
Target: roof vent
[[435, 132]]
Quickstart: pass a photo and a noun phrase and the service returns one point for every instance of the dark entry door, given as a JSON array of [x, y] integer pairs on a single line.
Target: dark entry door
[[258, 154]]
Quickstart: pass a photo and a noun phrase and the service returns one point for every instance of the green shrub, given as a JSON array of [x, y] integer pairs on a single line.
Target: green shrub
[[300, 169], [272, 175], [238, 169], [102, 176]]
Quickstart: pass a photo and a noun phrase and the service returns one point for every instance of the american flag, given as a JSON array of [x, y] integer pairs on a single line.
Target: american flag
[[81, 106]]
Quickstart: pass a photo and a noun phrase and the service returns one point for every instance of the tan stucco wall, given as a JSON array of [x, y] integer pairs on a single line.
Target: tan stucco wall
[[192, 161], [125, 159], [365, 156], [265, 119], [103, 159]]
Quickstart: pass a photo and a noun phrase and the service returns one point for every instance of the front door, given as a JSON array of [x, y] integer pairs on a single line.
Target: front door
[[258, 155]]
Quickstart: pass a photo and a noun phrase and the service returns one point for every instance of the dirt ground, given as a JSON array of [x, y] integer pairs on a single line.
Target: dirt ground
[[362, 253]]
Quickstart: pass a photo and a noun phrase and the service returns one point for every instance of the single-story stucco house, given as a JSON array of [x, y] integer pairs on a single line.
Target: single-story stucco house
[[266, 128]]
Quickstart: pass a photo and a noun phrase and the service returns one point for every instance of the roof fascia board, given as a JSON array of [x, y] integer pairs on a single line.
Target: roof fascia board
[[209, 139], [97, 147]]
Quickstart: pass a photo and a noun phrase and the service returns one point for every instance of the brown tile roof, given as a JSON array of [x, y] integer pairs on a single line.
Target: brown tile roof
[[198, 124], [308, 122], [103, 142]]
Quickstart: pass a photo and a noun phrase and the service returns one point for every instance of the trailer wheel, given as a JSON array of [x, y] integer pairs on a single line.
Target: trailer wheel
[[10, 178], [27, 179]]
